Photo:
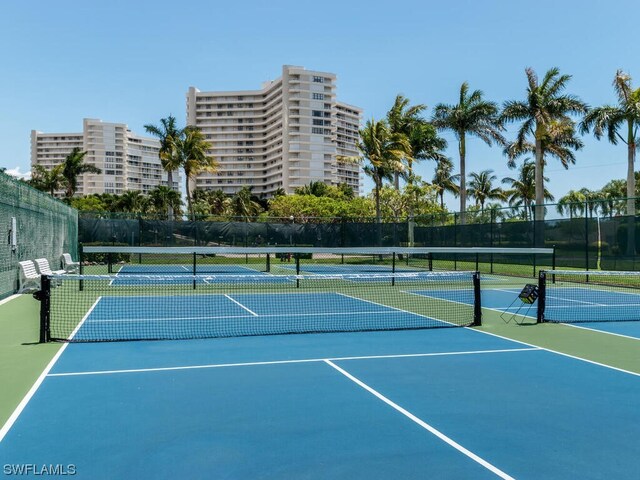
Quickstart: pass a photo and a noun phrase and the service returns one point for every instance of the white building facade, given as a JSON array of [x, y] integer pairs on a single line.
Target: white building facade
[[291, 132], [128, 161]]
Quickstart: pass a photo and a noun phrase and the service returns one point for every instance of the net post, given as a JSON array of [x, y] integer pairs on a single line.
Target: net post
[[542, 295], [268, 262], [430, 259], [195, 270], [109, 263], [477, 263], [297, 257], [477, 304], [393, 268], [81, 260], [44, 296]]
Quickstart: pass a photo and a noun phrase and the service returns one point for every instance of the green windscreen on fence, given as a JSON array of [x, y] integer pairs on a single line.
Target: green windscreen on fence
[[32, 225]]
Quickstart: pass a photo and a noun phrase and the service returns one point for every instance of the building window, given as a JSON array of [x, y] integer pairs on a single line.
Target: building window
[[319, 131], [317, 113], [318, 96], [318, 122], [318, 79]]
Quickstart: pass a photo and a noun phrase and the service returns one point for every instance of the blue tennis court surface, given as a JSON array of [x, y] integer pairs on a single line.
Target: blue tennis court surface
[[448, 403]]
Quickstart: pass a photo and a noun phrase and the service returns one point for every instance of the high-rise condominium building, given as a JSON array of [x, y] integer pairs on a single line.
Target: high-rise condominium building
[[128, 161], [291, 132]]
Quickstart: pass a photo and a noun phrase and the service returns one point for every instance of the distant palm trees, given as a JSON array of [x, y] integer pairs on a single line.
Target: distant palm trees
[[613, 118], [481, 188], [472, 115], [444, 180], [522, 189], [192, 156], [545, 113]]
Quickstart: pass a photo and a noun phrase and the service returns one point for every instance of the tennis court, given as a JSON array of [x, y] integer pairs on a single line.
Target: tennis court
[[447, 403], [234, 390]]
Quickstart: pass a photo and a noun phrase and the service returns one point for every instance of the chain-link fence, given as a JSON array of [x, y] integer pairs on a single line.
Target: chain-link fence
[[33, 225]]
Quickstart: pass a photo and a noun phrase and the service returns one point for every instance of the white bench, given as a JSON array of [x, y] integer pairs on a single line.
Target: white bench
[[69, 265], [29, 277], [44, 269]]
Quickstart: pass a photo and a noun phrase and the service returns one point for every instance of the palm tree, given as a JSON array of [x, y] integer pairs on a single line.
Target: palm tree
[[422, 135], [168, 133], [192, 154], [572, 203], [612, 119], [243, 204], [522, 189], [481, 188], [317, 189], [132, 201], [472, 115], [544, 106], [47, 180], [444, 180], [384, 151], [164, 199], [559, 142], [74, 166]]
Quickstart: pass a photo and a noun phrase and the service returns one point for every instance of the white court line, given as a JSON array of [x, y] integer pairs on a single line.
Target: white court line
[[423, 424], [9, 298], [284, 362], [591, 329], [242, 306], [23, 403]]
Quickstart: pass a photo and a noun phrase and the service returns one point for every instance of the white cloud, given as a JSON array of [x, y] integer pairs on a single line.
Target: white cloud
[[15, 172]]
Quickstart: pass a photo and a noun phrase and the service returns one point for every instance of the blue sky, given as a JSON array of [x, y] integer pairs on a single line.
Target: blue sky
[[133, 61]]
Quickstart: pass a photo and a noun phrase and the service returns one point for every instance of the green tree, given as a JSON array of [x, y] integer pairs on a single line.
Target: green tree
[[132, 201], [169, 134], [444, 180], [407, 120], [244, 204], [572, 203], [89, 203], [384, 152], [164, 200], [472, 115], [317, 189], [481, 188], [544, 105], [47, 180], [192, 154], [612, 119], [522, 189], [74, 166]]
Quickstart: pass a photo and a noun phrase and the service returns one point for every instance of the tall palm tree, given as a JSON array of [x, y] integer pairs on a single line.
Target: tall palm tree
[[384, 151], [244, 204], [169, 134], [444, 180], [613, 118], [192, 154], [407, 120], [545, 104], [74, 166], [47, 180], [472, 115], [559, 142], [481, 188], [522, 189]]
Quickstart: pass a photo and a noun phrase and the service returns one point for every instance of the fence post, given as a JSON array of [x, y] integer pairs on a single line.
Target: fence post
[[586, 235]]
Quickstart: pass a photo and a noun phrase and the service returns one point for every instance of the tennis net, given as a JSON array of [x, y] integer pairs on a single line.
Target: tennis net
[[570, 296], [279, 260], [85, 308]]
